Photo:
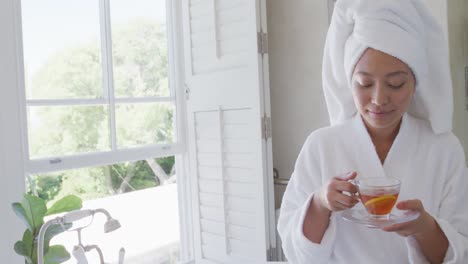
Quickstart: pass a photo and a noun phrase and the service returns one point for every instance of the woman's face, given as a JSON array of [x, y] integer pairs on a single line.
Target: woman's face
[[383, 87]]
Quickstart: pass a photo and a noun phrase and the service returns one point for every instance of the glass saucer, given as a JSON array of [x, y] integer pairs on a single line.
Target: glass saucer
[[360, 216]]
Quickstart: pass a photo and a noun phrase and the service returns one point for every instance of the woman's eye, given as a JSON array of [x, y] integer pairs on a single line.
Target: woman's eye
[[396, 86], [365, 85]]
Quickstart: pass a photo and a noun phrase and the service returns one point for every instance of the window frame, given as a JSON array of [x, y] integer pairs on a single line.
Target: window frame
[[114, 154], [176, 75]]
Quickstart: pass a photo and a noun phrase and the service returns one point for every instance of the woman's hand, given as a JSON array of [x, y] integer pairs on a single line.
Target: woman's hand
[[329, 198], [430, 237], [418, 227], [332, 197]]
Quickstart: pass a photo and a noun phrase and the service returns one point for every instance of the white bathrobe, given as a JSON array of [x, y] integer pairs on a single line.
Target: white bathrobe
[[431, 168]]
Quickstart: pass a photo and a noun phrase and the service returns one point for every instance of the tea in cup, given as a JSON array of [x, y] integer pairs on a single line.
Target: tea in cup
[[378, 194]]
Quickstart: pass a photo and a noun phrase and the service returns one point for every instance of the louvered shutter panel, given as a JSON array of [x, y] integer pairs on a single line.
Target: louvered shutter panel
[[225, 108]]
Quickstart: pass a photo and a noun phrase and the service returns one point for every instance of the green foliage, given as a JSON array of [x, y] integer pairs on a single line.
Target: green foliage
[[72, 73], [64, 205], [140, 124], [35, 209], [67, 130], [32, 211], [166, 163], [21, 249], [140, 59], [143, 176], [56, 254], [21, 213], [48, 187]]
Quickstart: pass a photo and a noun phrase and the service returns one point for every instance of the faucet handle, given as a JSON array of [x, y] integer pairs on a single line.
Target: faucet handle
[[79, 254]]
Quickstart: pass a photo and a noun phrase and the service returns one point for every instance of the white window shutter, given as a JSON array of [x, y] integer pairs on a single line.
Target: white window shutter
[[228, 155]]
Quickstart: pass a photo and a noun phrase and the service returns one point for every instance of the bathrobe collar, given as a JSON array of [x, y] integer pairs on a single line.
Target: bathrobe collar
[[398, 156]]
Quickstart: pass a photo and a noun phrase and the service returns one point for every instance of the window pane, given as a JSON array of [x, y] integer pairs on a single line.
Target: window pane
[[144, 123], [62, 54], [141, 195], [139, 48], [65, 130], [98, 182]]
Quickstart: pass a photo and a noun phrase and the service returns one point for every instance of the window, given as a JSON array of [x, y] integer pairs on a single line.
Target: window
[[97, 77], [100, 113]]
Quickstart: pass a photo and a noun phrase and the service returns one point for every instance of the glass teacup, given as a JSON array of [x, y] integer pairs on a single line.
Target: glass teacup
[[378, 194]]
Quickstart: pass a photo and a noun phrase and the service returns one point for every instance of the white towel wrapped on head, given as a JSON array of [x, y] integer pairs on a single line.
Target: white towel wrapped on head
[[404, 29]]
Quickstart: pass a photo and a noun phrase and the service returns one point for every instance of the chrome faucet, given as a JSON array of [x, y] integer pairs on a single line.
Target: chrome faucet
[[79, 250]]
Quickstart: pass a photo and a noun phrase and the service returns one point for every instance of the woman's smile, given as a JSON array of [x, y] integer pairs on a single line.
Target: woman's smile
[[379, 114]]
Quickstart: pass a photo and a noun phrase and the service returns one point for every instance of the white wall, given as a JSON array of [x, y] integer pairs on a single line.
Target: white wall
[[296, 34], [452, 14], [458, 60], [11, 168]]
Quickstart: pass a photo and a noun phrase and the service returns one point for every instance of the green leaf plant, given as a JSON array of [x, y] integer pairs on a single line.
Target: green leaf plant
[[31, 211]]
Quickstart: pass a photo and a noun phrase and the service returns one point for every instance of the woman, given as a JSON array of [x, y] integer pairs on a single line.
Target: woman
[[391, 109]]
